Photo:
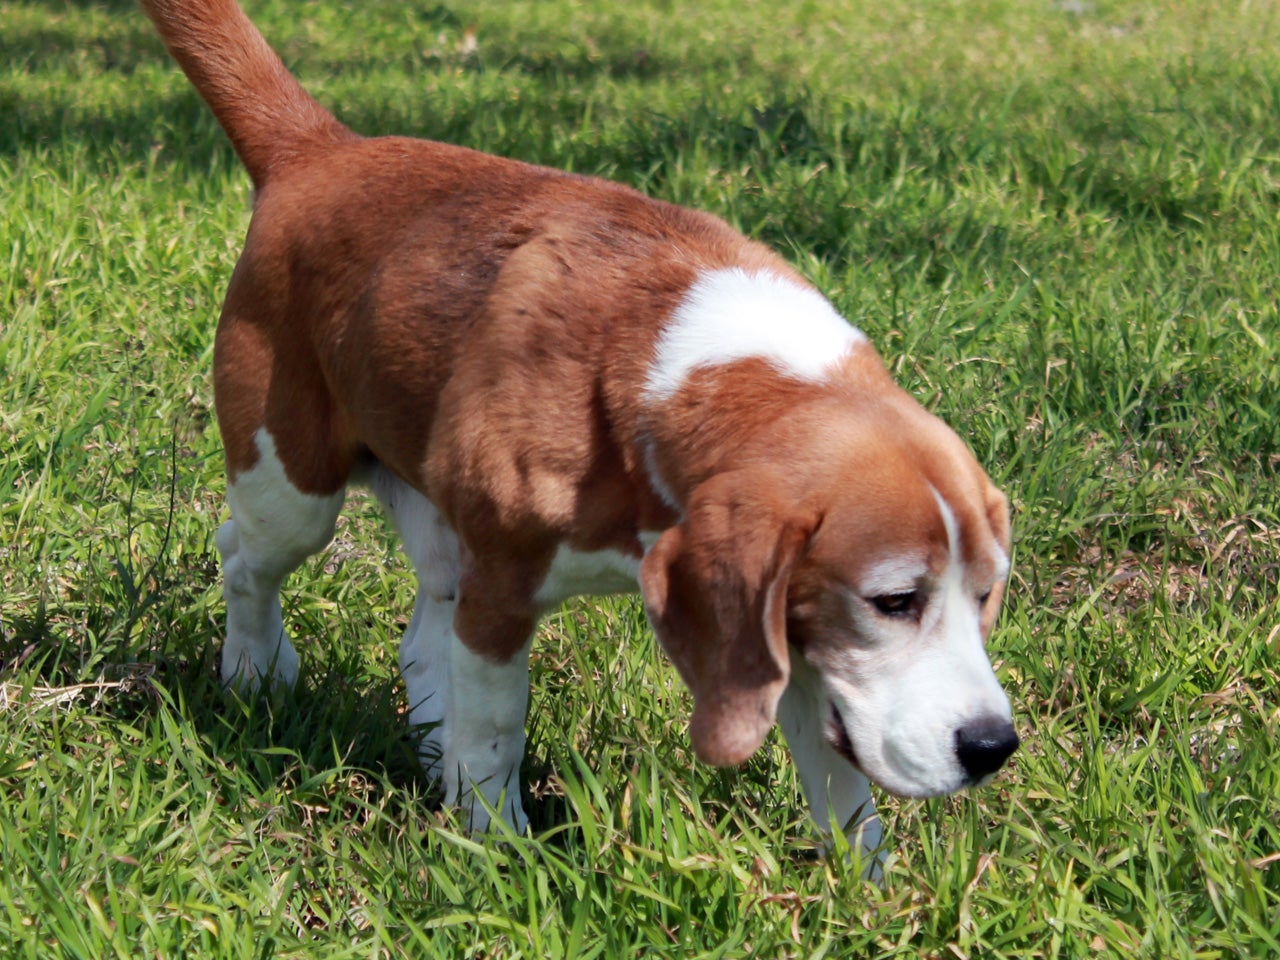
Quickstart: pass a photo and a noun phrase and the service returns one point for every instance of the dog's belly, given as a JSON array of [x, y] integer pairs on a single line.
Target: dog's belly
[[577, 572]]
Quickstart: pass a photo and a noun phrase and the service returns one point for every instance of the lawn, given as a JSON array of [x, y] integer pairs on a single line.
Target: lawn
[[1060, 222]]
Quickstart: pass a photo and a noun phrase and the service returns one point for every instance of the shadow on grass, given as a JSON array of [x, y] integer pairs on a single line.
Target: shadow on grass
[[935, 139], [128, 7], [328, 720], [793, 131], [273, 737]]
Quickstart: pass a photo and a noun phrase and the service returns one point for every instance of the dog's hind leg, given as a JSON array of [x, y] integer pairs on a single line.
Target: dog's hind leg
[[432, 547], [274, 526]]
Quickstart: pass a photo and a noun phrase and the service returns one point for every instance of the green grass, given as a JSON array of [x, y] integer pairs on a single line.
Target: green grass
[[1060, 223]]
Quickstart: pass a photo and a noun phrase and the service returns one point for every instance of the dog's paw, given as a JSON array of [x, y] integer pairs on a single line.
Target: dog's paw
[[245, 670]]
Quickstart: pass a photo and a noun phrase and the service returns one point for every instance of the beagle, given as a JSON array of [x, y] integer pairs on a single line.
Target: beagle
[[557, 386]]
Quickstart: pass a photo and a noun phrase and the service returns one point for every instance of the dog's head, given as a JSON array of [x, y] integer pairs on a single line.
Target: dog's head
[[879, 555]]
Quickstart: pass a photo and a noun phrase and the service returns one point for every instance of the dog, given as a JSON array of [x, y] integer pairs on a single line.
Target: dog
[[558, 386]]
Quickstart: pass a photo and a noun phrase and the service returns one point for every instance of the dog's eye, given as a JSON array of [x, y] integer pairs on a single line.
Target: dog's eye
[[895, 604], [982, 600]]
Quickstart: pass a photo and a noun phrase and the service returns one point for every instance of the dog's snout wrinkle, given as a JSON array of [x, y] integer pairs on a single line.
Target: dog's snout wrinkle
[[983, 746]]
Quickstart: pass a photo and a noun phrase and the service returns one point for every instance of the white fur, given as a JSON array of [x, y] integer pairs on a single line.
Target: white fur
[[274, 526], [1002, 563], [894, 574], [427, 538], [596, 572], [576, 573], [472, 709], [838, 794], [909, 686], [484, 740], [432, 547], [730, 315], [656, 481], [949, 524]]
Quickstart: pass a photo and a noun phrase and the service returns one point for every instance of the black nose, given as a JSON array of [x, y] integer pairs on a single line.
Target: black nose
[[984, 745]]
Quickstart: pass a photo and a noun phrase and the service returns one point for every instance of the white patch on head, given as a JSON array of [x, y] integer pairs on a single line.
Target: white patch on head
[[948, 524], [730, 315]]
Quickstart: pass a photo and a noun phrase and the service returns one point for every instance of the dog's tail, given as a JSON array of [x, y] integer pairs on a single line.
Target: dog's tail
[[264, 110]]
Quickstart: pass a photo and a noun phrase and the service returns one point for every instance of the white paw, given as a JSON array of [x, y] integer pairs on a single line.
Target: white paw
[[478, 804], [244, 669], [479, 820]]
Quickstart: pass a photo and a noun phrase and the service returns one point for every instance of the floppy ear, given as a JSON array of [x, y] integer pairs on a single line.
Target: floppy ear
[[715, 590]]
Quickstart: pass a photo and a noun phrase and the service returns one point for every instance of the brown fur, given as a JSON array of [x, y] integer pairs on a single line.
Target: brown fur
[[484, 328]]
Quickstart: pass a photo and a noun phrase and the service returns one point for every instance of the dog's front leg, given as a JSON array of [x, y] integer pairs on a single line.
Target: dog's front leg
[[424, 664], [484, 734], [837, 792]]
